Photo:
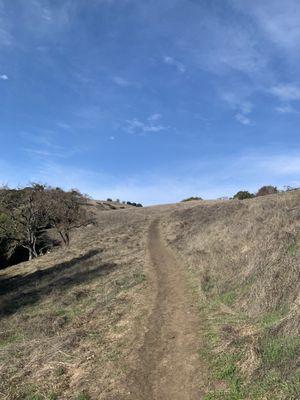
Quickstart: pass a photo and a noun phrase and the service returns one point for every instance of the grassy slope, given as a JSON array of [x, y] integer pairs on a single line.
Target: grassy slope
[[243, 258], [67, 318], [70, 320]]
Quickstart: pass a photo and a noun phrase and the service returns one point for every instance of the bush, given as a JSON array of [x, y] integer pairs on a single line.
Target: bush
[[191, 198], [243, 194], [132, 203], [290, 188], [265, 190]]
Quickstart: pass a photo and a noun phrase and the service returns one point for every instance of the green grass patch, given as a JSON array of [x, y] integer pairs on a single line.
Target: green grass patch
[[69, 312], [59, 371], [8, 339], [207, 283], [131, 280], [271, 318], [278, 350], [228, 298], [83, 396], [33, 392], [275, 377], [293, 248]]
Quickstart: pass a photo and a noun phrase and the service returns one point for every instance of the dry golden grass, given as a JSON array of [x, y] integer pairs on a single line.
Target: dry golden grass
[[250, 247], [69, 316], [244, 259], [71, 321]]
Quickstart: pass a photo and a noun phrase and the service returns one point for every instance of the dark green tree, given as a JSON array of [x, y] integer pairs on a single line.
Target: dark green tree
[[243, 194]]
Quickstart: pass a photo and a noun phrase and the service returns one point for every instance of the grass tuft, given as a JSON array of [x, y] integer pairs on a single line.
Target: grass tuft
[[278, 350], [83, 396]]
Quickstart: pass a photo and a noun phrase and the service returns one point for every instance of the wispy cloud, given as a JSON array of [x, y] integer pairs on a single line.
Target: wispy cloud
[[6, 38], [44, 153], [243, 119], [64, 125], [281, 164], [154, 117], [43, 145], [50, 153], [4, 77], [242, 108], [46, 17], [278, 19], [248, 171], [210, 179], [136, 126], [118, 80], [89, 117], [151, 124], [177, 64], [286, 92], [39, 137], [286, 109]]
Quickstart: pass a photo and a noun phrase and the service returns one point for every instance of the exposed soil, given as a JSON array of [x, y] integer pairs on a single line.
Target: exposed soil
[[169, 365]]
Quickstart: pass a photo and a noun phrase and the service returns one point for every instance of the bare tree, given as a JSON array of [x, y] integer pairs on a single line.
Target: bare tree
[[23, 217], [66, 212]]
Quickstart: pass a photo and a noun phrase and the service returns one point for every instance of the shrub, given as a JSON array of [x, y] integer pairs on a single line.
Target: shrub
[[290, 188], [192, 198], [243, 194], [265, 190], [132, 203]]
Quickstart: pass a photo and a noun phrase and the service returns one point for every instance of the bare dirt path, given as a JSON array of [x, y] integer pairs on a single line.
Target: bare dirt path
[[168, 360]]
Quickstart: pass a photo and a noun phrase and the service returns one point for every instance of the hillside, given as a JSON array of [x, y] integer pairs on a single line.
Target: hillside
[[197, 300], [245, 255]]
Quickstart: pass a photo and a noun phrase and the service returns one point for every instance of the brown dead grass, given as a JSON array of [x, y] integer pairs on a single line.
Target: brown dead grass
[[249, 248], [69, 319], [244, 259]]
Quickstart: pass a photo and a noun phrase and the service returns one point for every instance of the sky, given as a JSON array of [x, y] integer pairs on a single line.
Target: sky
[[150, 101]]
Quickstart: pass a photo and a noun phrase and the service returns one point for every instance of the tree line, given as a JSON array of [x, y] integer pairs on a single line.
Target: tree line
[[25, 215], [129, 203], [245, 194], [263, 191]]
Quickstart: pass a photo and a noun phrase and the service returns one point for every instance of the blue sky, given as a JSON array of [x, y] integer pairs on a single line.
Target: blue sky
[[150, 101]]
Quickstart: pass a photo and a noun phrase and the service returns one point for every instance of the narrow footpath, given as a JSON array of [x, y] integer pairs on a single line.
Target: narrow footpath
[[169, 365]]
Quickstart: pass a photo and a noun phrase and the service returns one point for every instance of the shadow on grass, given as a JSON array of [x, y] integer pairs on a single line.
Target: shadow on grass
[[19, 291]]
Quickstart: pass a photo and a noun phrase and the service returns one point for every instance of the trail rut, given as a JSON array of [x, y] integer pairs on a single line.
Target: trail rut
[[168, 360]]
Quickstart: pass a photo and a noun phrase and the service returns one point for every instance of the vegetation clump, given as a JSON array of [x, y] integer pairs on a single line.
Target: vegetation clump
[[191, 199], [130, 203], [265, 190], [27, 213], [243, 195]]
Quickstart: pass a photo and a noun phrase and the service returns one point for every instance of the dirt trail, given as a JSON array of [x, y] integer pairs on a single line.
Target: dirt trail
[[168, 360]]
